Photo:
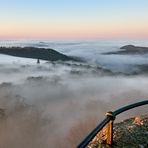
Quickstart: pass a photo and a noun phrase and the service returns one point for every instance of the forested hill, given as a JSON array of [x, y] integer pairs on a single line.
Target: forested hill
[[35, 53], [130, 50]]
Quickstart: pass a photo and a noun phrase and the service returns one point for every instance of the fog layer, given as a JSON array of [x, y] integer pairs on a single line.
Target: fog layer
[[43, 102], [56, 104]]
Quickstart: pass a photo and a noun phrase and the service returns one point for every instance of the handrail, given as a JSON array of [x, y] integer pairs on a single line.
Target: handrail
[[128, 107], [109, 116]]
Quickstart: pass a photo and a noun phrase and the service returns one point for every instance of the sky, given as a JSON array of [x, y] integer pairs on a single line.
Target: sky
[[73, 19]]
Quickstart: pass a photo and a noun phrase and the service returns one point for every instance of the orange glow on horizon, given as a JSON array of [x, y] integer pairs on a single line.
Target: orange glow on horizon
[[76, 31]]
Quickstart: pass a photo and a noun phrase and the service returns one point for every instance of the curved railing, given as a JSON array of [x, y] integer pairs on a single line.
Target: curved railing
[[110, 116]]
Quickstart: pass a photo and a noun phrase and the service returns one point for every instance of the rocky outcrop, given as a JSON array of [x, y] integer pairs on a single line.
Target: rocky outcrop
[[130, 133]]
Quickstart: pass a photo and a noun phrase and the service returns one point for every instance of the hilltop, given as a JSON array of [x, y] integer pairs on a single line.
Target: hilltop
[[36, 53], [129, 49]]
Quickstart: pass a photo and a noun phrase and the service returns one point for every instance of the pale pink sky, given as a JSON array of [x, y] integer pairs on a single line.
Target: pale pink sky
[[74, 19]]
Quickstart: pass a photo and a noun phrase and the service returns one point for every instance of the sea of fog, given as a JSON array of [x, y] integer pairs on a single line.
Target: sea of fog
[[55, 104], [89, 50]]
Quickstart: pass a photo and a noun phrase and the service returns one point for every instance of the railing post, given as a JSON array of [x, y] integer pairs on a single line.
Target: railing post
[[109, 139]]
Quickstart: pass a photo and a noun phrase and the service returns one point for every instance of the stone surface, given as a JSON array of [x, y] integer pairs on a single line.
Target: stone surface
[[130, 133]]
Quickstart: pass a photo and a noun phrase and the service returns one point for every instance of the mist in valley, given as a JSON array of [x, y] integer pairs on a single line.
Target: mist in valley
[[56, 104], [43, 103]]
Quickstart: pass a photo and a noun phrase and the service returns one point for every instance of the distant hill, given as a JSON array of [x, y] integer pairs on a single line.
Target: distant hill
[[36, 53], [130, 49]]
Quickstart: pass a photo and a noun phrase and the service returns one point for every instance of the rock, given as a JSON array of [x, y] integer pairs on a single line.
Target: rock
[[138, 121], [130, 133]]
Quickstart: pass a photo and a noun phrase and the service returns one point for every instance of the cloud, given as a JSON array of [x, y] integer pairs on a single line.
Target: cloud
[[48, 100]]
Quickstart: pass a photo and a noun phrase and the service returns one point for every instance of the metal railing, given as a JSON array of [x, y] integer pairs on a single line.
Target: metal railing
[[110, 117]]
